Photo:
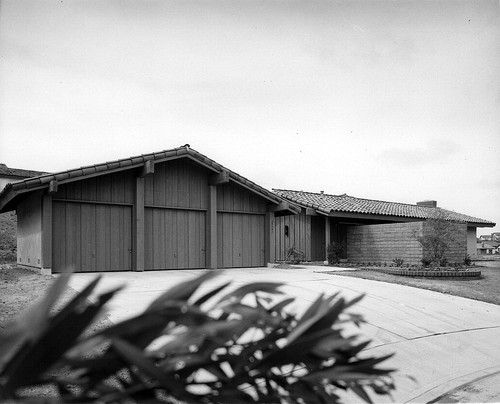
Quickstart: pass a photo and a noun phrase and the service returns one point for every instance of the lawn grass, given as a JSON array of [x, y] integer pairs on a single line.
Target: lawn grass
[[486, 288]]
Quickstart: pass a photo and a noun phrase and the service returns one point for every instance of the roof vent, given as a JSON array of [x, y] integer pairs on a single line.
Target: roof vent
[[428, 204], [321, 192]]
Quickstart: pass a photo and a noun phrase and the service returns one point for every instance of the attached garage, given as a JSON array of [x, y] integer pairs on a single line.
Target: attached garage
[[176, 209]]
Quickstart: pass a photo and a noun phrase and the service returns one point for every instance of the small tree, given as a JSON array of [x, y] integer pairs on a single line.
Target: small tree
[[438, 233]]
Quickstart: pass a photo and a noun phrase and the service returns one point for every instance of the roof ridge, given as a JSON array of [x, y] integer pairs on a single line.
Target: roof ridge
[[355, 197]]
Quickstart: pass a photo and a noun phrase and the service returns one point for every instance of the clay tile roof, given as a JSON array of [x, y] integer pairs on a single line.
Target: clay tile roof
[[18, 172], [326, 203], [185, 151]]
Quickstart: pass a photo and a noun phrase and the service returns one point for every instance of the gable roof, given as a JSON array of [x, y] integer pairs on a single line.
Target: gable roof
[[18, 172], [11, 191], [329, 204]]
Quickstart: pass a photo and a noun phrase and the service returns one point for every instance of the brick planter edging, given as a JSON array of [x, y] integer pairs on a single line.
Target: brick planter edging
[[432, 274]]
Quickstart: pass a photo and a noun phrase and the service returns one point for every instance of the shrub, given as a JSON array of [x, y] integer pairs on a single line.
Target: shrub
[[398, 262], [426, 261], [294, 255], [190, 345], [467, 260], [334, 252], [443, 262]]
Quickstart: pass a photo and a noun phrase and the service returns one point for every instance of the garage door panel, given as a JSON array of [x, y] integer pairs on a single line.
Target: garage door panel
[[247, 241], [175, 239], [240, 240], [91, 237]]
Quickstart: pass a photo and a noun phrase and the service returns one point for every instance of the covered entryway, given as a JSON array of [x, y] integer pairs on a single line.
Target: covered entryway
[[318, 246], [240, 240], [91, 237]]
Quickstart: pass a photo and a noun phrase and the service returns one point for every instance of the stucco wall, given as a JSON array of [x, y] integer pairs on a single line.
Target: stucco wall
[[384, 242], [29, 231], [472, 242]]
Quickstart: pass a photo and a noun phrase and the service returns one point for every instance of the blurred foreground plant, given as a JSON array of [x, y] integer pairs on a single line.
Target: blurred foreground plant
[[222, 346]]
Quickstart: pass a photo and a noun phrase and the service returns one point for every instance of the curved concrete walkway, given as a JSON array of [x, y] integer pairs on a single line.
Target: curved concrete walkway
[[443, 342]]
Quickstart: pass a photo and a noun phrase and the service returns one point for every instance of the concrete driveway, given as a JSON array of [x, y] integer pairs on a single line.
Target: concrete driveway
[[444, 342]]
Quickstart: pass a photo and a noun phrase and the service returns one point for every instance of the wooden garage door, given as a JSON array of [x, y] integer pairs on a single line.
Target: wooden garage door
[[174, 238], [91, 237], [240, 240]]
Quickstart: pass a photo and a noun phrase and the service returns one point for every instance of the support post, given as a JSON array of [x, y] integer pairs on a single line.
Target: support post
[[138, 247], [327, 237], [270, 250], [211, 229], [46, 258]]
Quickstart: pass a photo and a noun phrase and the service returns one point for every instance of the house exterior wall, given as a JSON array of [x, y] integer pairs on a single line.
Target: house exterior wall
[[175, 205], [92, 224], [472, 242], [29, 230], [240, 227], [384, 242], [299, 235]]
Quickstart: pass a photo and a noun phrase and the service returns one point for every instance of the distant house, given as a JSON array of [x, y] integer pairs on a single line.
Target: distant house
[[371, 230], [489, 244], [8, 174], [487, 248], [175, 209]]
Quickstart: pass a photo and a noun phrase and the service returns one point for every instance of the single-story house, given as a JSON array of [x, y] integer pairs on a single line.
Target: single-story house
[[168, 210], [488, 248], [8, 174], [371, 231]]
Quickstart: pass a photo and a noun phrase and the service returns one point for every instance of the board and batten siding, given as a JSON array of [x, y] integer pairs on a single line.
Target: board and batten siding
[[92, 224], [240, 227], [91, 237], [29, 230], [175, 204], [299, 235], [110, 188], [176, 216]]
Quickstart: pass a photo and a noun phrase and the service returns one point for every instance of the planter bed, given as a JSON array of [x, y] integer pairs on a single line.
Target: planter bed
[[430, 273]]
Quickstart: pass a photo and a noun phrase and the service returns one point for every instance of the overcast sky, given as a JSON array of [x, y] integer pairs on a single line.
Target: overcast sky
[[388, 100]]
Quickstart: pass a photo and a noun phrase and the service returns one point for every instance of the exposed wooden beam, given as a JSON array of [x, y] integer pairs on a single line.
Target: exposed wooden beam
[[138, 226], [269, 239], [46, 256], [327, 237], [386, 218], [219, 178], [211, 229], [311, 212], [279, 207], [148, 168], [53, 185]]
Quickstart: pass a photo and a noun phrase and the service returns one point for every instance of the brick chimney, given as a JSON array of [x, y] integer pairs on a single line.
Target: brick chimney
[[428, 204]]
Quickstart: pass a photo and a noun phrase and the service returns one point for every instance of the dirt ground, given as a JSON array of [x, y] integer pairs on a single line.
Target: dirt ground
[[19, 288], [486, 288]]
